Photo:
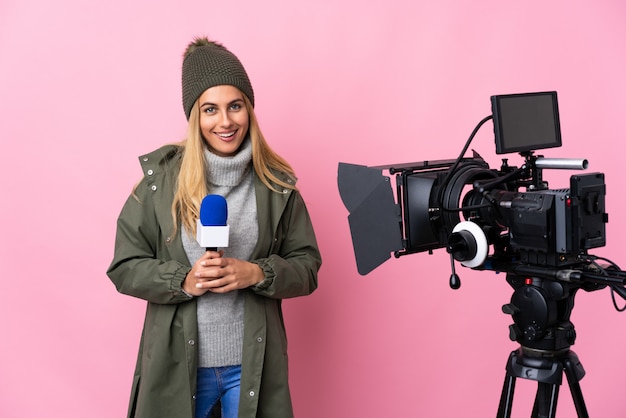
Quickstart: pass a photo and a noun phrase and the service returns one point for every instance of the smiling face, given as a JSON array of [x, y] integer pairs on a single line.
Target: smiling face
[[224, 119]]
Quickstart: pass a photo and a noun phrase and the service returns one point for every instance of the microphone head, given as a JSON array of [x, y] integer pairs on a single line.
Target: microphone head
[[213, 210]]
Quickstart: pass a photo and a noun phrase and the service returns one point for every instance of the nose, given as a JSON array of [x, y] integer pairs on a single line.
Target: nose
[[225, 120]]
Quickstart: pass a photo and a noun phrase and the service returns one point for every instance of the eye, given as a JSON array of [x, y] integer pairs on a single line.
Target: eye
[[209, 109], [235, 106]]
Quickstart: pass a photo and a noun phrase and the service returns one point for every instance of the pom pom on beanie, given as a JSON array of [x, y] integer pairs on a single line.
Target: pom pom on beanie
[[207, 64]]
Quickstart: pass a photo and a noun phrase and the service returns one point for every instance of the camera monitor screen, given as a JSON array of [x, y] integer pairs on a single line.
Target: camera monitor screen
[[526, 122]]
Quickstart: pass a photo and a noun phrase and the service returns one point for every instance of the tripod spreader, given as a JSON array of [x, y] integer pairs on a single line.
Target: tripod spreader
[[548, 372]]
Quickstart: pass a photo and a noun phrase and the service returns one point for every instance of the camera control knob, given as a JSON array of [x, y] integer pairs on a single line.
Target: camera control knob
[[510, 309], [514, 332], [533, 332]]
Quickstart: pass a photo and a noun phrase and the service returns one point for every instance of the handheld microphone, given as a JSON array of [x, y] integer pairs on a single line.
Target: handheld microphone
[[212, 229]]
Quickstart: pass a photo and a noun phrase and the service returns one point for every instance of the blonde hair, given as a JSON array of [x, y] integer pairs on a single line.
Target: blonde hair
[[191, 186]]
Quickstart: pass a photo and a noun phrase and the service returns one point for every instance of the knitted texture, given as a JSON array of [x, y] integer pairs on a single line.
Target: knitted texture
[[220, 315], [208, 66]]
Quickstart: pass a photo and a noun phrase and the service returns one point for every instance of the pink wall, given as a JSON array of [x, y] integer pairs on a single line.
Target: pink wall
[[85, 87]]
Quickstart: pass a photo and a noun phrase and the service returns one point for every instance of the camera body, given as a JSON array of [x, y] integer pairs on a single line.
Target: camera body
[[463, 205], [524, 221]]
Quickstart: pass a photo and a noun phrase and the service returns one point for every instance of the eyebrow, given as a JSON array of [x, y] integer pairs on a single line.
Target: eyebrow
[[216, 105]]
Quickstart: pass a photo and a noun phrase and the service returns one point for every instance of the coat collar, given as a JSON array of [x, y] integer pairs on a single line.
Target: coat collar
[[161, 168]]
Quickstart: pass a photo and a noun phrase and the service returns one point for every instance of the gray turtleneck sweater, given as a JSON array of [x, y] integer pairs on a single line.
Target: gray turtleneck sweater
[[220, 316]]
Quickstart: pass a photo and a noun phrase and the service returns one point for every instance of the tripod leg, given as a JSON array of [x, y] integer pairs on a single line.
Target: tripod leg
[[506, 399], [575, 372], [545, 400]]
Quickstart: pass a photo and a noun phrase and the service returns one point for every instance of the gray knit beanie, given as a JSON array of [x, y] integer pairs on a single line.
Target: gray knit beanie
[[208, 64]]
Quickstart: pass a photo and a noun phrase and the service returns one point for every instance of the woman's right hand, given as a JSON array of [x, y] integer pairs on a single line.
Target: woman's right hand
[[190, 282]]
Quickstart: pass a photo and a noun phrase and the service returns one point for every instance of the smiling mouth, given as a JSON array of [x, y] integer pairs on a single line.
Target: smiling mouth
[[225, 135]]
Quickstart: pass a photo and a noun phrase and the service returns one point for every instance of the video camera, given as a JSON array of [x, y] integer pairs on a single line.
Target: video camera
[[510, 209], [504, 220]]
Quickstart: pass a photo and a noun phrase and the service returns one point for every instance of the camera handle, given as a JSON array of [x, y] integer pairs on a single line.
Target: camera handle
[[530, 174], [455, 281]]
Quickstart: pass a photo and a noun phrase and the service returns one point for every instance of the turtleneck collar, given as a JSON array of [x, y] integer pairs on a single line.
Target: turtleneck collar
[[229, 171]]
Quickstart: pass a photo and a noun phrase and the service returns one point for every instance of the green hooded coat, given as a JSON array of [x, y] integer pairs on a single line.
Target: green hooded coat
[[149, 265]]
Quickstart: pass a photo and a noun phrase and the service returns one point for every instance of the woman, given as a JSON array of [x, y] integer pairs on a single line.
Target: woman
[[214, 329]]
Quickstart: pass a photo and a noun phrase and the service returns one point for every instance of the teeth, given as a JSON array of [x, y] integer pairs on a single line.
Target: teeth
[[226, 135]]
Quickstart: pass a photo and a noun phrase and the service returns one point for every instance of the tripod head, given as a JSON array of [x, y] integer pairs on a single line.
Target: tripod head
[[543, 300], [541, 312]]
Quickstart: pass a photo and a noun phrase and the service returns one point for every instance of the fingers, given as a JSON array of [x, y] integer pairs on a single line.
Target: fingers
[[216, 286], [202, 271], [209, 274], [216, 279], [219, 285], [209, 255], [221, 275]]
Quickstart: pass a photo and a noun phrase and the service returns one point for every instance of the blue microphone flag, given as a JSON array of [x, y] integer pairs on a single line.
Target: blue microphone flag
[[213, 210], [212, 229]]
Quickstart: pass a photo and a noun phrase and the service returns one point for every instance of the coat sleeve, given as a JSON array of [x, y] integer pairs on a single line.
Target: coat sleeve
[[141, 266], [292, 266]]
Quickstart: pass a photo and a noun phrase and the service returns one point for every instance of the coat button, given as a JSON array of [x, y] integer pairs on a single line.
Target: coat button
[[145, 159], [150, 172], [153, 187], [191, 342], [259, 339], [251, 393]]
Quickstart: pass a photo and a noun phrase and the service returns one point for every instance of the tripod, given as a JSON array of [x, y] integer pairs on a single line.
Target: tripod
[[541, 311], [547, 371]]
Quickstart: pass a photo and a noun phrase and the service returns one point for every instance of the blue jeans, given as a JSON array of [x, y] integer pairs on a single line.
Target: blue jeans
[[218, 383]]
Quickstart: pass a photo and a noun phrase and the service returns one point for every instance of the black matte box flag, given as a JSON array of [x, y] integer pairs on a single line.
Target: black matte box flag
[[374, 216]]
